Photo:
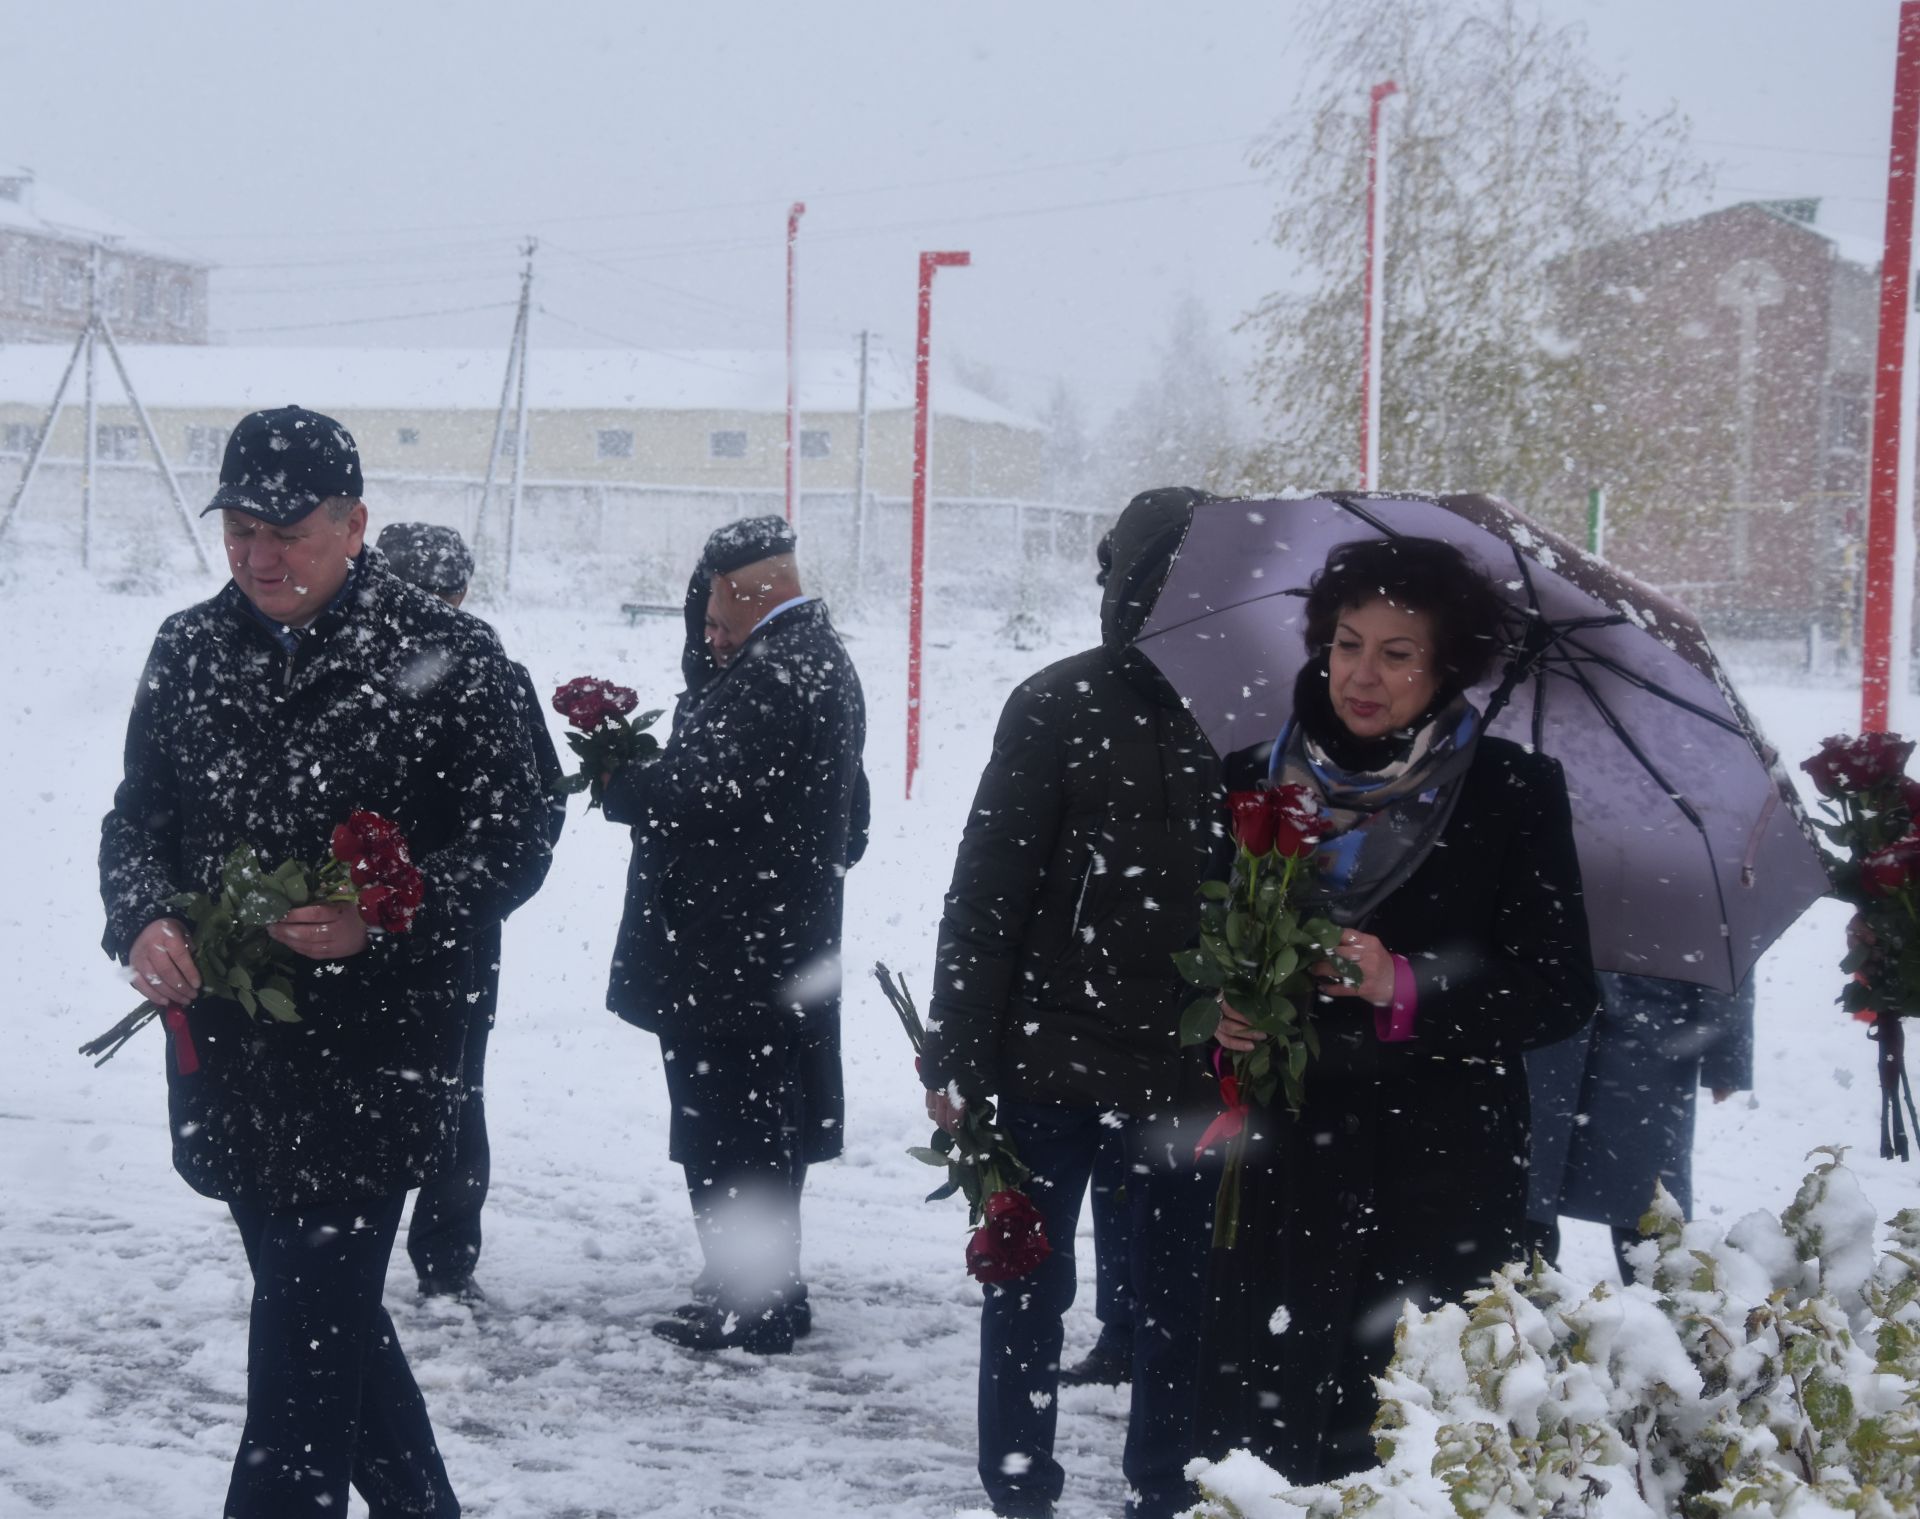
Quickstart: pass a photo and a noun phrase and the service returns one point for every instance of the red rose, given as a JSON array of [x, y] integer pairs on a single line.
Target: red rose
[[1253, 821], [372, 847], [1298, 823], [1011, 1242], [1887, 871], [589, 703], [391, 905], [1847, 766]]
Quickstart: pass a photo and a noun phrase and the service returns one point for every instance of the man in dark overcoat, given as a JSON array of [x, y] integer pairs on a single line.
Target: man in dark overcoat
[[1099, 814], [1613, 1107], [443, 1239], [315, 683], [729, 948]]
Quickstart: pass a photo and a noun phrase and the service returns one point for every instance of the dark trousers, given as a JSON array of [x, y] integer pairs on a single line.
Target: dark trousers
[[1112, 1247], [738, 1115], [1168, 1217], [330, 1398], [443, 1239]]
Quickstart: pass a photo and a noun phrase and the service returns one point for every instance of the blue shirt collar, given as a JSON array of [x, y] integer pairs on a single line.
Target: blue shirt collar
[[785, 606], [289, 637]]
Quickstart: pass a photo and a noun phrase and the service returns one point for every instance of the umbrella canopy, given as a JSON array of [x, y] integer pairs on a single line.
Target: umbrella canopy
[[1694, 852]]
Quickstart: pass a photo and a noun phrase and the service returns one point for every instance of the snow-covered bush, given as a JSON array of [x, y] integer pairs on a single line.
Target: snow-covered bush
[[1772, 1369]]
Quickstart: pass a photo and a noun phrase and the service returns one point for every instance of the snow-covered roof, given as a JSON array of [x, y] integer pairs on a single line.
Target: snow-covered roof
[[469, 379], [29, 206]]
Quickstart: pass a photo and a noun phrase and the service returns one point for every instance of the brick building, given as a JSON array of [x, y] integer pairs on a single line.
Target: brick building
[[149, 293], [1729, 359]]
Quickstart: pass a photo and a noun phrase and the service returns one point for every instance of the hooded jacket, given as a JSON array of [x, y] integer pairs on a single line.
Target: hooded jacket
[[1099, 814]]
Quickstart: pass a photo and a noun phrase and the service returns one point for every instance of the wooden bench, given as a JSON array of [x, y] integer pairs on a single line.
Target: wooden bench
[[635, 610]]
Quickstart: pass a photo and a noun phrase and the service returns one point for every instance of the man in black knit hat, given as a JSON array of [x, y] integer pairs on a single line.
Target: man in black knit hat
[[729, 948]]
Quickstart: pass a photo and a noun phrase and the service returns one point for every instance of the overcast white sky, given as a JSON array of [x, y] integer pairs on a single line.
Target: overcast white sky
[[363, 160]]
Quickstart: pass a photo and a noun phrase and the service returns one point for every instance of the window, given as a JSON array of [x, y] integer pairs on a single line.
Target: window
[[727, 444], [146, 296], [33, 280], [116, 442], [182, 304], [113, 291], [205, 445], [73, 284], [409, 437], [17, 437], [815, 443], [613, 443]]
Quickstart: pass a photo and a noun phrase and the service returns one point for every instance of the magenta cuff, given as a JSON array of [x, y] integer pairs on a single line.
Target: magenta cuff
[[1393, 1024]]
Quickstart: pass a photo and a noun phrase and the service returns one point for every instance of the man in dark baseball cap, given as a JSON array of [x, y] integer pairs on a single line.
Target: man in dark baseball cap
[[433, 557], [289, 558]]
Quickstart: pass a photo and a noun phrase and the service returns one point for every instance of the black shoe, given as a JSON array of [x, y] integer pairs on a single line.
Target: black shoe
[[462, 1289], [800, 1315], [1108, 1364], [701, 1326], [799, 1310]]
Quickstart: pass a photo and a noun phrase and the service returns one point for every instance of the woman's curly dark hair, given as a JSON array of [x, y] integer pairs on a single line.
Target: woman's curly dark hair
[[1423, 575]]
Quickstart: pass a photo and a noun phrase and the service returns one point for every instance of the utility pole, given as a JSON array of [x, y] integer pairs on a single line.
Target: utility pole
[[90, 449], [516, 359], [860, 482], [97, 328], [520, 437], [922, 467], [794, 212], [1374, 307]]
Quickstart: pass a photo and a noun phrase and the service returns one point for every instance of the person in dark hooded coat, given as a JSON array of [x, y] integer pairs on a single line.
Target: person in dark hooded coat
[[729, 947], [1097, 817], [444, 1236]]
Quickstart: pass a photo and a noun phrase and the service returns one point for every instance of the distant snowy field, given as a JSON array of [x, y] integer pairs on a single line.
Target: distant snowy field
[[123, 1321]]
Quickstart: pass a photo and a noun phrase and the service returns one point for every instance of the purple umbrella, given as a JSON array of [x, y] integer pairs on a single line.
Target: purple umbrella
[[1693, 849]]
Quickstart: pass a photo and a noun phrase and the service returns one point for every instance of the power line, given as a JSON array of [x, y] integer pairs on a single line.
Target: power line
[[611, 337], [367, 321]]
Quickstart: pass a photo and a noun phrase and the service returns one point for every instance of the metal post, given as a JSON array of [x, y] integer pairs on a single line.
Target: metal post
[[860, 482], [499, 429], [46, 432], [153, 442], [90, 451], [916, 588], [794, 212], [521, 440], [1373, 315], [1896, 266]]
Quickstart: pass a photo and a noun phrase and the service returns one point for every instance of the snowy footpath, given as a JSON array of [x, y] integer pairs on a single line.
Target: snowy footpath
[[123, 1296]]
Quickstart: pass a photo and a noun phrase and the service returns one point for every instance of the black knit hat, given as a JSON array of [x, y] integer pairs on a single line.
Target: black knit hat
[[424, 554], [281, 464], [748, 541]]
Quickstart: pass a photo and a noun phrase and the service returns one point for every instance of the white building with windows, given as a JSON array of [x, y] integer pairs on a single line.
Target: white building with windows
[[704, 419], [149, 293]]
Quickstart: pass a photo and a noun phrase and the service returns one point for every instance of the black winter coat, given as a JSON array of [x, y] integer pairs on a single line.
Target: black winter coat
[[743, 831], [391, 702], [1097, 817], [1405, 1174]]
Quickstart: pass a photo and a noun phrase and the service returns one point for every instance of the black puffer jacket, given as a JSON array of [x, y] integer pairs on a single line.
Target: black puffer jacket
[[743, 832], [391, 702], [1097, 818]]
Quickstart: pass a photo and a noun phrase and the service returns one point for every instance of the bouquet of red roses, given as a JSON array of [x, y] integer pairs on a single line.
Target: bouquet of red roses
[[1009, 1236], [1255, 954], [1873, 815], [603, 738], [368, 864]]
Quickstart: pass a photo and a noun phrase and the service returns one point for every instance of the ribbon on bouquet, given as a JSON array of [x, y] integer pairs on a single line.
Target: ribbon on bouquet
[[1229, 1124], [186, 1058]]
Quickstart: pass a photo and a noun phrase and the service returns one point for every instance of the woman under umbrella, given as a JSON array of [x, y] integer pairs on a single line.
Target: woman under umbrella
[[1452, 872]]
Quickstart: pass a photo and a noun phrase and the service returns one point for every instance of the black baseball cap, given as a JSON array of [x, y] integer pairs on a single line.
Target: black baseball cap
[[281, 464], [736, 545]]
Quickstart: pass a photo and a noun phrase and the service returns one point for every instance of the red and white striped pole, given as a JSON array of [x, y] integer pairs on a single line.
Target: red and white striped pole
[[794, 212], [1883, 474], [916, 587], [1374, 316]]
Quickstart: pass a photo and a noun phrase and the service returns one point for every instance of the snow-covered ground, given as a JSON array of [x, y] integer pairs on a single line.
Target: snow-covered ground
[[123, 1296]]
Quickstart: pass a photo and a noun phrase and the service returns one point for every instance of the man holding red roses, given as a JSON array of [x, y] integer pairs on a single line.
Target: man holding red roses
[[316, 686], [1096, 820]]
